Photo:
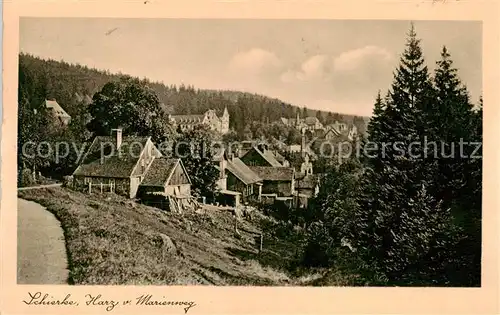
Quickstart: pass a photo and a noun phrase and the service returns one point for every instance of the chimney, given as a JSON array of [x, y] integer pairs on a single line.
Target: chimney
[[118, 136], [303, 143], [261, 147]]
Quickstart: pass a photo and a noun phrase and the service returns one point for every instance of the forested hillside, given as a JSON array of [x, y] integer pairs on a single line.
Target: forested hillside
[[41, 79]]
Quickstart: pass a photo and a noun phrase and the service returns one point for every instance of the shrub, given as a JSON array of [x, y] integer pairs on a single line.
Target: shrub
[[27, 178]]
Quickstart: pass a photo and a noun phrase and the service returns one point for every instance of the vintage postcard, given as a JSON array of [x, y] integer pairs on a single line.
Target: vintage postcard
[[211, 157]]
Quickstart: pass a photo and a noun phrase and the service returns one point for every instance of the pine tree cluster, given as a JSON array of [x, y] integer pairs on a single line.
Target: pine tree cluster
[[415, 216]]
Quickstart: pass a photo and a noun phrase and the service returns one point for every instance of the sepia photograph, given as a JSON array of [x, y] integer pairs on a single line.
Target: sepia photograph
[[249, 152]]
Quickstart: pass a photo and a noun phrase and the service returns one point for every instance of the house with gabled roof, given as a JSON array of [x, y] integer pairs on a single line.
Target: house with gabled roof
[[120, 163], [57, 111], [276, 180], [260, 155], [167, 176], [307, 184], [242, 179]]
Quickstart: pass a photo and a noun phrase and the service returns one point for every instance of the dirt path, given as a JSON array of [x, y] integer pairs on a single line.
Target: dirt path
[[41, 252]]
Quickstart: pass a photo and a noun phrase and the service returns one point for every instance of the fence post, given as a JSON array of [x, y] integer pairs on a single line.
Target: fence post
[[101, 187], [90, 188], [261, 239]]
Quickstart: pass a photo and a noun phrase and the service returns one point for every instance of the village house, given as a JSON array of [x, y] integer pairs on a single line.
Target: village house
[[307, 185], [58, 112], [227, 195], [220, 163], [340, 131], [116, 163], [235, 178], [338, 126], [260, 155], [276, 180], [313, 123], [242, 179], [167, 176], [245, 146], [310, 123], [166, 185], [209, 118]]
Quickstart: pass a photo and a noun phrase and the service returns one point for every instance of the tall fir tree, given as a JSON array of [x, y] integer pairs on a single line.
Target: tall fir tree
[[450, 122], [394, 227]]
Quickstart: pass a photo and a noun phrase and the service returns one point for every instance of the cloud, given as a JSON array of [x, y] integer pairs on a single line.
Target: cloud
[[317, 67], [255, 61], [347, 82], [358, 61], [361, 58]]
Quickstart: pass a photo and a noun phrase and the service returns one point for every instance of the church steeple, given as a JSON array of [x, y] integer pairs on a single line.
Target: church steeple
[[225, 121]]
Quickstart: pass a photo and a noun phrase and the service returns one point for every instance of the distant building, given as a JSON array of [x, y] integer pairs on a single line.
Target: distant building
[[58, 111], [294, 148], [209, 118], [331, 134], [353, 133], [310, 123], [340, 131], [313, 123], [306, 167]]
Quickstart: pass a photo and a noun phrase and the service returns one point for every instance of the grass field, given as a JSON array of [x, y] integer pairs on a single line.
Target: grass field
[[112, 240]]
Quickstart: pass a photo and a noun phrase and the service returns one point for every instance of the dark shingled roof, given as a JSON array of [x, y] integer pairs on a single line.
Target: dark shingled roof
[[159, 172], [307, 182], [188, 119], [242, 171], [269, 157], [112, 162], [280, 158], [311, 120], [274, 173]]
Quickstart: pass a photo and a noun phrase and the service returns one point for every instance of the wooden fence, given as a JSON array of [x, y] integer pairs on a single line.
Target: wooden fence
[[102, 187]]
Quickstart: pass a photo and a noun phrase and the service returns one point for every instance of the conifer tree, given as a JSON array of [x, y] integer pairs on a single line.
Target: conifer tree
[[450, 121], [374, 123], [395, 225]]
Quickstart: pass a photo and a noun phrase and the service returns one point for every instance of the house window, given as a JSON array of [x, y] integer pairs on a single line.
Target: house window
[[87, 180]]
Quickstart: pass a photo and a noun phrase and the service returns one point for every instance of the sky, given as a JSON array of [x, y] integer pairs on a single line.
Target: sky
[[332, 65]]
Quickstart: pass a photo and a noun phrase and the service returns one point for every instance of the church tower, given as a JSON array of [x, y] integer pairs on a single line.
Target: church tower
[[225, 121]]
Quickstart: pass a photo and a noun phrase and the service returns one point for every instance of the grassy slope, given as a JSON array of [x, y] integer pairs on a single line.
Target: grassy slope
[[111, 240]]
